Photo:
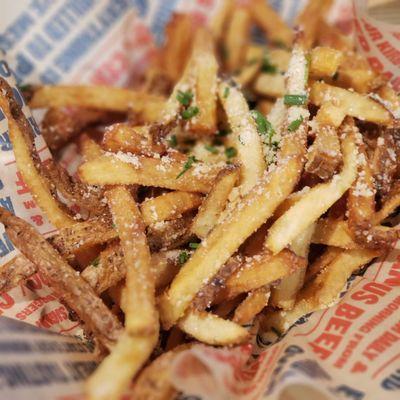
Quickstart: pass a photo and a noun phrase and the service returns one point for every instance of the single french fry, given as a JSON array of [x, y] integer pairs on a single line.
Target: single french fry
[[270, 22], [211, 329], [139, 299], [168, 206], [100, 98], [127, 357], [245, 137], [219, 20], [318, 199], [22, 139], [354, 104], [330, 115], [236, 37], [262, 270], [271, 85], [214, 203], [251, 306], [325, 62], [323, 291], [89, 149], [164, 172], [63, 279]]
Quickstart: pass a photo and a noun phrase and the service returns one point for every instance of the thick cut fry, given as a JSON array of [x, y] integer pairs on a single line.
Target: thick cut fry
[[271, 85], [245, 137], [131, 139], [168, 206], [262, 270], [206, 69], [323, 291], [76, 293], [127, 357], [270, 22], [251, 306], [22, 139], [15, 272], [324, 156], [90, 150], [165, 172], [139, 298], [330, 115], [284, 294], [354, 104], [101, 98], [210, 329], [324, 62], [236, 37], [334, 233], [318, 199], [214, 203], [82, 235]]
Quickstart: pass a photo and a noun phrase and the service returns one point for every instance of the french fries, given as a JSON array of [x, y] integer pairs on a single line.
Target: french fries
[[325, 61], [251, 306]]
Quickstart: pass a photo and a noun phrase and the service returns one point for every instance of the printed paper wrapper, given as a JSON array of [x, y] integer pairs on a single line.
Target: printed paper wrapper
[[349, 351]]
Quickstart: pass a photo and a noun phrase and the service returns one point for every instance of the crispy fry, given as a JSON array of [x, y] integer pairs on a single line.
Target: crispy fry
[[271, 85], [101, 98], [322, 262], [168, 206], [323, 290], [22, 139], [325, 62], [77, 294], [352, 103], [214, 203], [90, 150], [330, 115], [392, 201], [315, 202], [270, 22], [127, 357], [139, 298], [245, 137], [251, 306], [160, 172], [211, 329]]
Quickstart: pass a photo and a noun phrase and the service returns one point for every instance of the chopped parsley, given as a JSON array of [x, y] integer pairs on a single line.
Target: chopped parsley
[[96, 262], [173, 141], [211, 149], [183, 257], [295, 124], [114, 226], [267, 67], [190, 112], [188, 164], [184, 97], [295, 99], [264, 127], [230, 152], [193, 245], [226, 92]]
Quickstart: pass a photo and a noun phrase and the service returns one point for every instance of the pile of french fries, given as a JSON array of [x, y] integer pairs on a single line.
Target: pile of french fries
[[240, 182]]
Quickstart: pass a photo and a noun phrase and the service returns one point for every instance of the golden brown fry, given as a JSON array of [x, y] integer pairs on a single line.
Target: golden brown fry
[[271, 85], [22, 139], [392, 201], [270, 22], [323, 290], [127, 357], [330, 115], [214, 203], [236, 38], [160, 172], [318, 199], [352, 103], [211, 329], [251, 306], [390, 99], [15, 272], [219, 20], [325, 62], [244, 135], [168, 206], [322, 262], [90, 150], [76, 293], [139, 292], [101, 98], [263, 269]]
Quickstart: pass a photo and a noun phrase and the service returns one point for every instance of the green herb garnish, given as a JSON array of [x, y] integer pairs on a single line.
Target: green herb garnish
[[96, 262], [226, 92], [188, 164], [193, 245], [184, 97], [267, 67], [230, 152], [190, 112], [264, 127], [173, 141], [295, 99], [295, 124], [183, 257], [211, 149]]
